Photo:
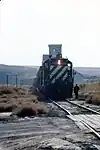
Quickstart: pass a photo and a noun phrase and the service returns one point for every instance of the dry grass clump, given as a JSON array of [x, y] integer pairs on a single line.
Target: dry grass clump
[[93, 93], [90, 87], [30, 110], [7, 107], [11, 90], [26, 111], [5, 90], [82, 86], [20, 101], [93, 98]]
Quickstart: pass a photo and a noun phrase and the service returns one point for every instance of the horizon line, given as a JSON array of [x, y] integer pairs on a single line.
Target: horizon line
[[40, 65]]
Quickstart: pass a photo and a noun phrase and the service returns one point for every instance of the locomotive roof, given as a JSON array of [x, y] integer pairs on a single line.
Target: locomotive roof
[[58, 59]]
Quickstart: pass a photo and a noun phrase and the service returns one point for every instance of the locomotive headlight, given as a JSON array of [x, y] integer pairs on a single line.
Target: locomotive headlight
[[59, 62], [69, 65]]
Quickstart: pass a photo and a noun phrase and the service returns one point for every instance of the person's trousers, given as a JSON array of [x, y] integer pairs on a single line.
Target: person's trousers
[[76, 95]]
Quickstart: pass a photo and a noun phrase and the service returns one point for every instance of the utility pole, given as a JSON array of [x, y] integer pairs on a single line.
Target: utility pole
[[16, 79], [21, 82], [7, 78]]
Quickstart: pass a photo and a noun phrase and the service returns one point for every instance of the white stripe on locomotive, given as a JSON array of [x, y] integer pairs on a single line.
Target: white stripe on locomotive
[[65, 76], [55, 71], [60, 74], [51, 67]]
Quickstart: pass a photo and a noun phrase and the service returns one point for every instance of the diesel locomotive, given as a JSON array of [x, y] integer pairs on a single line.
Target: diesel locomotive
[[55, 76]]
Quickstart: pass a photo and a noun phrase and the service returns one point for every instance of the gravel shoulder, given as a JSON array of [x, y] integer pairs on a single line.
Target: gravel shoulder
[[44, 133]]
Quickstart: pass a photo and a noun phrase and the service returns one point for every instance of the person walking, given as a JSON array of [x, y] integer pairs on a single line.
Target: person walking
[[76, 89]]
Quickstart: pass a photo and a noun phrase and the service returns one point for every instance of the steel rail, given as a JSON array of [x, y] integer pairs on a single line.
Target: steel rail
[[93, 130], [84, 107], [74, 119], [65, 110]]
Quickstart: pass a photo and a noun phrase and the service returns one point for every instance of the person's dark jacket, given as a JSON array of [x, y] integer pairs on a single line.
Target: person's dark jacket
[[76, 89]]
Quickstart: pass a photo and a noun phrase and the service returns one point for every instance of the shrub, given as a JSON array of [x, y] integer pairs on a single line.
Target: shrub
[[26, 111], [5, 91], [93, 90], [30, 110], [7, 107], [93, 99], [12, 100]]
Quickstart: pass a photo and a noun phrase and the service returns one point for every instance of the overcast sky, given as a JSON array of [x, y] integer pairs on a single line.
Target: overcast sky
[[28, 26]]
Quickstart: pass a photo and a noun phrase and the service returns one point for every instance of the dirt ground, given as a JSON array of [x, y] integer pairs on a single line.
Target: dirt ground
[[48, 130], [43, 133]]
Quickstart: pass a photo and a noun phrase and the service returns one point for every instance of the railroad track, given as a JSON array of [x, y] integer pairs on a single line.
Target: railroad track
[[78, 120], [83, 107], [75, 108]]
